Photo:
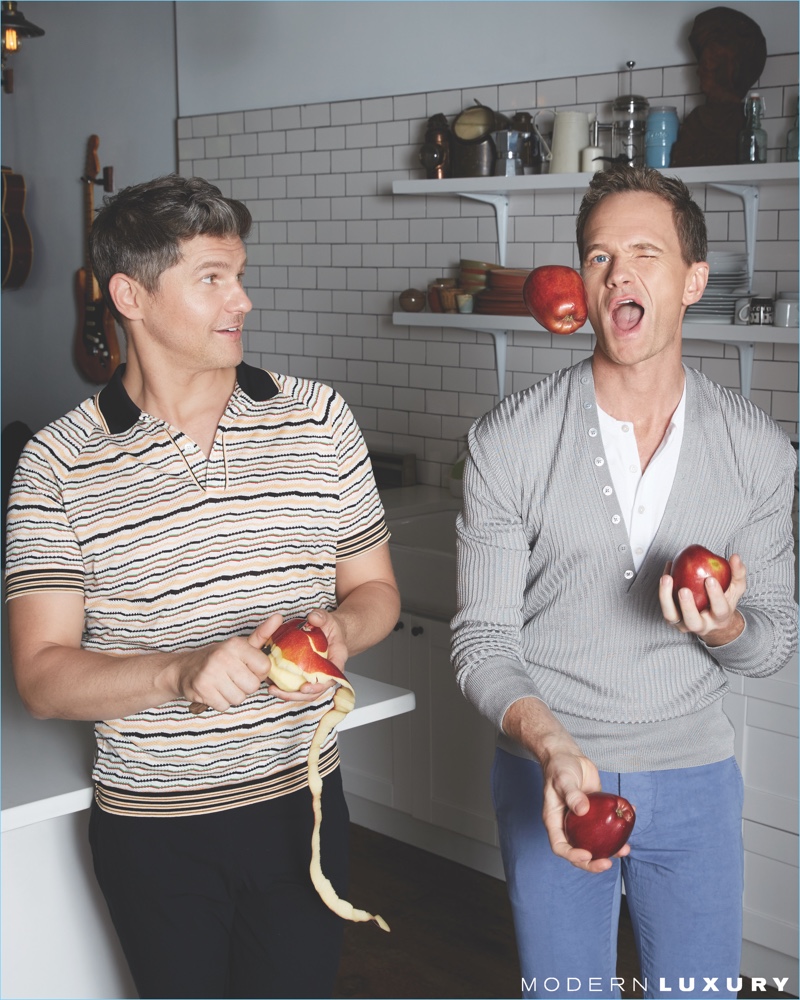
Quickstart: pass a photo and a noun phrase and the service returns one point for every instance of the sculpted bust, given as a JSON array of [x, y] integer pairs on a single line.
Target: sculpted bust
[[731, 52]]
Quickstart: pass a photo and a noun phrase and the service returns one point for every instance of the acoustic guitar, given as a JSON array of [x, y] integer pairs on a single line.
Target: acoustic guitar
[[17, 240], [96, 343]]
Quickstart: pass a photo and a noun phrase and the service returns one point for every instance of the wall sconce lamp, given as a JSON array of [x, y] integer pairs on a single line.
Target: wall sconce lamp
[[14, 27]]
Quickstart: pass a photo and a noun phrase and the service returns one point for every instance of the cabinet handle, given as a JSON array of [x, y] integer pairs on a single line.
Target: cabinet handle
[[417, 630], [398, 626]]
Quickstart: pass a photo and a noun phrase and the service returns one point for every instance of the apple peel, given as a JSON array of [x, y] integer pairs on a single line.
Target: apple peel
[[295, 640]]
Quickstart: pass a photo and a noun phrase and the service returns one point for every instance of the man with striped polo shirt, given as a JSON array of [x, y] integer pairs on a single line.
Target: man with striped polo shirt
[[577, 494], [157, 535]]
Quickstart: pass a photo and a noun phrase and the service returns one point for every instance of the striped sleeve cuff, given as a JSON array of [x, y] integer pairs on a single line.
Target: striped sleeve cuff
[[363, 541], [31, 581]]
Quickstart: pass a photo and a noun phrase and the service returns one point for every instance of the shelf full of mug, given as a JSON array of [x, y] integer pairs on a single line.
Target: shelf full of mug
[[744, 338], [743, 180]]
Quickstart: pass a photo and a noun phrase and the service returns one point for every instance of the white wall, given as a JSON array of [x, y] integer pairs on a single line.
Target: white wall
[[238, 56], [110, 68], [101, 68]]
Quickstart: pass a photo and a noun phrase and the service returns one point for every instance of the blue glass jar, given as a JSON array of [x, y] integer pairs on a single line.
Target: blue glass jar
[[660, 135]]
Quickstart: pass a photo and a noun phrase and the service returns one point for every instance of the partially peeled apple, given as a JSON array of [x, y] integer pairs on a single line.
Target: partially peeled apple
[[298, 652]]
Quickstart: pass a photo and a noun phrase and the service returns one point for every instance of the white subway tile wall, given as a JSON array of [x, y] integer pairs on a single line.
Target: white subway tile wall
[[332, 248]]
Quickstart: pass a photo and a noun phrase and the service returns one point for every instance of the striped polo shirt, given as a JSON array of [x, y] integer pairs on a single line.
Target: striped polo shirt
[[172, 550]]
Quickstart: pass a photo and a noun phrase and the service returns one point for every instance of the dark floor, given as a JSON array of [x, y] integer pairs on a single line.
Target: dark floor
[[451, 931]]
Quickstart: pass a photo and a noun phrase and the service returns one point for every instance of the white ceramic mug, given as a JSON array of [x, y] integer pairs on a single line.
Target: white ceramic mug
[[786, 312], [741, 312]]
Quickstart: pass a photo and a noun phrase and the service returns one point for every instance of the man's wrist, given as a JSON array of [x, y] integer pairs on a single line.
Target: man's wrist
[[722, 636]]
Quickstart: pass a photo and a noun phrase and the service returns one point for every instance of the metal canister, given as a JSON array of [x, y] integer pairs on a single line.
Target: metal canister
[[472, 149]]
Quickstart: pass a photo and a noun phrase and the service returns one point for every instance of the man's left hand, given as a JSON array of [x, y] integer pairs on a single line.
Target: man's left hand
[[720, 623], [337, 653]]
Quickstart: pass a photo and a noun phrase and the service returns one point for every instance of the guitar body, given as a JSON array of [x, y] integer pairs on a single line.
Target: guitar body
[[17, 240], [96, 343]]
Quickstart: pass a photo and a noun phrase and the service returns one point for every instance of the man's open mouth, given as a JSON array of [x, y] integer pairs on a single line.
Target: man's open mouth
[[627, 314]]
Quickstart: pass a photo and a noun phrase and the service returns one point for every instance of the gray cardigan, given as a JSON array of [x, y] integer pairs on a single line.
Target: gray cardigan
[[549, 603]]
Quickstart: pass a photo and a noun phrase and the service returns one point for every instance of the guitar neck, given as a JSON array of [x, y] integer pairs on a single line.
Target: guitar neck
[[88, 219]]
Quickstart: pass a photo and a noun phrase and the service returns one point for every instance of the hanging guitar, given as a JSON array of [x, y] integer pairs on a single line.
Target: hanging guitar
[[96, 343], [17, 240]]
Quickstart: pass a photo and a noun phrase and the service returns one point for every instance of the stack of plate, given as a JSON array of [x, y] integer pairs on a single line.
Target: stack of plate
[[727, 281], [503, 294]]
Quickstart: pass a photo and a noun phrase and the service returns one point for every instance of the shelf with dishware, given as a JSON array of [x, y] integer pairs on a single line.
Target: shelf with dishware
[[742, 180]]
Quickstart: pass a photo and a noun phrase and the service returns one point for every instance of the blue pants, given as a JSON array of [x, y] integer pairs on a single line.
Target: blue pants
[[683, 882]]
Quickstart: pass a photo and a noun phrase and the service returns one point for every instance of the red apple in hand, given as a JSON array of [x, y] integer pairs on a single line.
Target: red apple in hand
[[554, 295], [691, 568], [605, 828], [299, 655]]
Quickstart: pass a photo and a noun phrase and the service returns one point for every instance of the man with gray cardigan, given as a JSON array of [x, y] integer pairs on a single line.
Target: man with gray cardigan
[[577, 493]]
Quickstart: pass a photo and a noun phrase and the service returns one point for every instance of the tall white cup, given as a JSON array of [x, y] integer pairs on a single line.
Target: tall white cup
[[786, 312], [570, 136]]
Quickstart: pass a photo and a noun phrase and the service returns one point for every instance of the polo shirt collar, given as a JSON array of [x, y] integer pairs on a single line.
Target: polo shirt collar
[[120, 412]]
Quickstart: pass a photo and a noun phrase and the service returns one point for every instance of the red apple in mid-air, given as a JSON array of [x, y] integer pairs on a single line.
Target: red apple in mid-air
[[605, 828], [554, 295], [692, 567]]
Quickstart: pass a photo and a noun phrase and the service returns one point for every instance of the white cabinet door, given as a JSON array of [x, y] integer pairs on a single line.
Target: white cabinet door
[[453, 746], [764, 714]]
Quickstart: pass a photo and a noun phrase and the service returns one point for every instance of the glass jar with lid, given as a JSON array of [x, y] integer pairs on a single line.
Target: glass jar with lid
[[660, 135]]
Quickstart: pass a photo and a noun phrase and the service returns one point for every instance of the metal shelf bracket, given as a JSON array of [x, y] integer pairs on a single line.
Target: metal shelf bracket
[[749, 195], [500, 204]]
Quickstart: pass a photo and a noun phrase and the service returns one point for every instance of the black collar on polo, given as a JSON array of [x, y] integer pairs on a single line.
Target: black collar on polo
[[121, 413]]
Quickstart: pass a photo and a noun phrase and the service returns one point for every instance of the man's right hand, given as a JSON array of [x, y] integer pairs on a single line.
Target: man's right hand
[[225, 673], [568, 776]]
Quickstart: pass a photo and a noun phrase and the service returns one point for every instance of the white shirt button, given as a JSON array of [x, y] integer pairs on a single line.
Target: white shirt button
[[639, 551], [628, 574], [641, 509], [625, 428], [607, 491], [633, 468], [592, 432], [616, 519], [599, 461]]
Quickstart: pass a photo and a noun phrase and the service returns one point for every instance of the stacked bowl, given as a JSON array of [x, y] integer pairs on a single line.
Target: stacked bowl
[[503, 293], [473, 275]]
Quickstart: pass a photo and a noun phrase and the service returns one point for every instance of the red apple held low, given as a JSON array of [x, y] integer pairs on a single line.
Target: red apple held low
[[692, 566], [605, 828], [556, 298]]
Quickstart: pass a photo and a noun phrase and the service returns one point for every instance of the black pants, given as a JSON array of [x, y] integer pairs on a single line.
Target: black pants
[[222, 905]]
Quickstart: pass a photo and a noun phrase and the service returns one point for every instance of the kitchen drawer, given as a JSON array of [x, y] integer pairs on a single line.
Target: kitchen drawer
[[769, 842]]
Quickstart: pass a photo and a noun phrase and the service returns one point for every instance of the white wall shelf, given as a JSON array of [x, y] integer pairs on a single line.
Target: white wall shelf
[[744, 338], [743, 180]]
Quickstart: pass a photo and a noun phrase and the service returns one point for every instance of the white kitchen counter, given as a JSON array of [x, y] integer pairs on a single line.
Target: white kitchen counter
[[405, 501], [51, 904], [47, 764]]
